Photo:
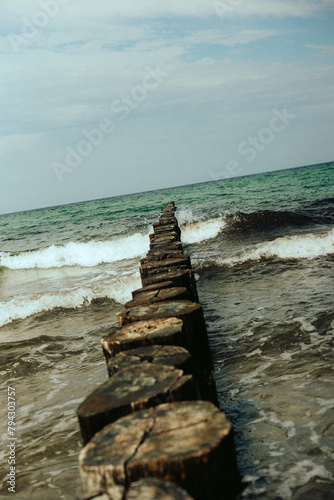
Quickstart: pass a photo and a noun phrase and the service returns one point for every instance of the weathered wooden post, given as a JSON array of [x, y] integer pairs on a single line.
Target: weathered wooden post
[[183, 277], [146, 435], [191, 314], [130, 389], [188, 443], [152, 296], [170, 355], [164, 331]]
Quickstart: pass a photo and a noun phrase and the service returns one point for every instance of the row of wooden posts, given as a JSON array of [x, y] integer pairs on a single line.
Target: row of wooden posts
[[154, 430]]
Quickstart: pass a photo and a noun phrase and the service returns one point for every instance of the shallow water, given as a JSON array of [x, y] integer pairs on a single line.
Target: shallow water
[[55, 364]]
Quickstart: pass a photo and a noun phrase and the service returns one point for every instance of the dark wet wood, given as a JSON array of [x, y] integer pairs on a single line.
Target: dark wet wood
[[164, 239], [165, 331], [188, 443], [155, 286], [155, 236], [153, 255], [166, 245], [159, 354], [165, 222], [132, 389], [164, 266], [181, 278], [191, 314], [152, 296], [166, 228]]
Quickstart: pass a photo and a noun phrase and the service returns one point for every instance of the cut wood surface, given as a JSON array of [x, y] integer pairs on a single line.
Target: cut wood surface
[[164, 331], [188, 443], [164, 266], [155, 286], [163, 245], [162, 236], [130, 389], [165, 222], [165, 228], [181, 277], [152, 296], [153, 255], [159, 354], [164, 240], [191, 314]]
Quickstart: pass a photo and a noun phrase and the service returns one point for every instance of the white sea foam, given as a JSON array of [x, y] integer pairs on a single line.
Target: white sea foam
[[184, 215], [194, 232], [301, 474], [78, 254], [307, 246], [20, 308]]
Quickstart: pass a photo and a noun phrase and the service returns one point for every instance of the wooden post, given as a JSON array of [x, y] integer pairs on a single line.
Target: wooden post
[[164, 239], [165, 253], [191, 314], [154, 286], [152, 296], [164, 331], [164, 266], [181, 278], [188, 443], [130, 389], [170, 355]]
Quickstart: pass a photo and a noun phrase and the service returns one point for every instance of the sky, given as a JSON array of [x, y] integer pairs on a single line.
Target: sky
[[105, 98]]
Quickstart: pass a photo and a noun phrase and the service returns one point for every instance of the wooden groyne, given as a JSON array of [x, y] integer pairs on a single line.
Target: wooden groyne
[[153, 430]]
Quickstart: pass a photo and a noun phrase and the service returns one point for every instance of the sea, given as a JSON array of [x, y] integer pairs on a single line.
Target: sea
[[262, 249]]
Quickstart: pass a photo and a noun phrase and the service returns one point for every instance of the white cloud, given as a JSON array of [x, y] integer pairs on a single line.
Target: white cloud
[[216, 37], [133, 9], [324, 50]]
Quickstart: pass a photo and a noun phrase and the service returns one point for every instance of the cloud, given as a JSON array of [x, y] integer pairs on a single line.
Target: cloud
[[221, 87], [323, 50], [216, 37], [101, 10]]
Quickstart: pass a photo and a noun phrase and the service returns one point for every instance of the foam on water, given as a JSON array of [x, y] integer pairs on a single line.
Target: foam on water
[[78, 254], [307, 246], [299, 475], [118, 289], [194, 232]]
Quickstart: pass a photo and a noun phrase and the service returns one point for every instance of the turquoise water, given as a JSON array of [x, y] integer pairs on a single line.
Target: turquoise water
[[262, 250]]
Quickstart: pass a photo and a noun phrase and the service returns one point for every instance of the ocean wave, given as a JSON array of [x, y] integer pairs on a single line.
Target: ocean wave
[[118, 289], [196, 229], [307, 246], [268, 219], [194, 232], [78, 254]]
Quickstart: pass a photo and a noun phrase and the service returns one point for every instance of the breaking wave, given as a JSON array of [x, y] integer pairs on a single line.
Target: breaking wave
[[118, 289], [78, 254], [307, 246]]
